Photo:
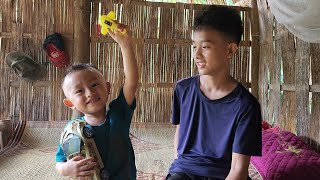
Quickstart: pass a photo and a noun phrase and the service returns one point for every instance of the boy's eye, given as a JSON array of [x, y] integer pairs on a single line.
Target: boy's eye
[[78, 91], [95, 84]]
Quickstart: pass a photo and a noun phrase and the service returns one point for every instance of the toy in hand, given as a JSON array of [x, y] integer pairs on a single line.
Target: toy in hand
[[77, 139], [107, 22]]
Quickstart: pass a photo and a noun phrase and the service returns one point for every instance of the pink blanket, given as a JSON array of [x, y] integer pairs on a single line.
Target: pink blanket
[[286, 157]]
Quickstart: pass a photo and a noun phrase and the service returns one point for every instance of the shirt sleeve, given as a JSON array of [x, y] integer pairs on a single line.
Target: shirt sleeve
[[60, 157], [175, 116], [121, 101], [119, 108], [248, 135]]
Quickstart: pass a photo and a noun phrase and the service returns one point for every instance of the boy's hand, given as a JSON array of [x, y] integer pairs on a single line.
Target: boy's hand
[[79, 167], [122, 35]]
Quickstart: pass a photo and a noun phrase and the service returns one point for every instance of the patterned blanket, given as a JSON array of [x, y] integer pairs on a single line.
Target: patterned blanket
[[285, 156]]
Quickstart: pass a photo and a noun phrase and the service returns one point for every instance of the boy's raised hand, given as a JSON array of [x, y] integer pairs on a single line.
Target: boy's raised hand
[[122, 35], [79, 167]]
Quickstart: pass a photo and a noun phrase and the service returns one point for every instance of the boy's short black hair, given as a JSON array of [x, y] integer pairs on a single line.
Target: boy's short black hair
[[223, 19], [78, 67]]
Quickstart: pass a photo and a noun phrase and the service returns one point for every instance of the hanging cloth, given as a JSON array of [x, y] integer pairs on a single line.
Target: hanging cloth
[[301, 17]]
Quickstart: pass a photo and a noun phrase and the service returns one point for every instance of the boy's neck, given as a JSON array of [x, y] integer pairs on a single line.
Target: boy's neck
[[214, 87], [95, 119]]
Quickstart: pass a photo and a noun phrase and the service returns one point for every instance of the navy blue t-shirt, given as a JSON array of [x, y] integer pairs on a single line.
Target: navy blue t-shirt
[[211, 130]]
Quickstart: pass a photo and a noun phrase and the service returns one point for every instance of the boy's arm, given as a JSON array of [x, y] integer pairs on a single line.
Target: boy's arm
[[239, 167], [176, 142], [129, 62], [130, 72]]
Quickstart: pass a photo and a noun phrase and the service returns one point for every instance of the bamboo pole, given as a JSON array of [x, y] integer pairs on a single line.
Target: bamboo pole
[[81, 37], [255, 49]]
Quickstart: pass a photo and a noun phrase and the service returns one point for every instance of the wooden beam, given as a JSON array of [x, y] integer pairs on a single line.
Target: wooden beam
[[159, 41], [292, 87], [255, 49], [171, 5], [302, 67], [266, 56], [16, 84], [81, 36], [10, 35], [275, 79]]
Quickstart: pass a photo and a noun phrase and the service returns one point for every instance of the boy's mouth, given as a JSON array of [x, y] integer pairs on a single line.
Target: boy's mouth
[[200, 64], [92, 100]]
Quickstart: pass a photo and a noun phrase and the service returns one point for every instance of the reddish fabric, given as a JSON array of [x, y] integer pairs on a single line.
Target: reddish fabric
[[267, 126], [285, 156], [58, 57]]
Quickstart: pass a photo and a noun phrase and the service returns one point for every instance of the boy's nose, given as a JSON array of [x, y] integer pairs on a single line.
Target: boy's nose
[[197, 53], [90, 93]]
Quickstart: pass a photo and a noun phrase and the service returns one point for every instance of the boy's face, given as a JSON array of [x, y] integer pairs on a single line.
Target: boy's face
[[87, 91], [212, 51]]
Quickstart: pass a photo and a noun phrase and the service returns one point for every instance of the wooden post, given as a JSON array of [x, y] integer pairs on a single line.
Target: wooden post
[[81, 37], [255, 49], [302, 87], [275, 93], [266, 55], [288, 119], [314, 131]]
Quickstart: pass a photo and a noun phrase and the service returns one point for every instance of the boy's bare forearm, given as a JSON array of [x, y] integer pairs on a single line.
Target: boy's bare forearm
[[130, 72], [239, 167], [129, 64], [176, 142]]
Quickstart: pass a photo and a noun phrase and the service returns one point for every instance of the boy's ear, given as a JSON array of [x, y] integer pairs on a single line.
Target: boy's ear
[[232, 49], [108, 87], [68, 103]]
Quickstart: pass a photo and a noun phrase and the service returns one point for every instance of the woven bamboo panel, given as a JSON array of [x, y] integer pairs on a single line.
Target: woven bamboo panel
[[23, 26], [162, 34], [162, 41]]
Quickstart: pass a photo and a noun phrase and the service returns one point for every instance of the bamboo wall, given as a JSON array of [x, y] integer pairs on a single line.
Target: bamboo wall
[[162, 35], [162, 42], [24, 25], [289, 79]]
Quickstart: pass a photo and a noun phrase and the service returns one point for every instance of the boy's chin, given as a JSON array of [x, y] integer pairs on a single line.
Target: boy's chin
[[202, 72], [96, 108]]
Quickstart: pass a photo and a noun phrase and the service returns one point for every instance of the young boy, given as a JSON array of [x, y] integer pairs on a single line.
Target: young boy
[[218, 120], [86, 90]]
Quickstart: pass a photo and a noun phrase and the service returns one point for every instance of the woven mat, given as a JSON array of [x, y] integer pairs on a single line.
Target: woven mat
[[34, 157]]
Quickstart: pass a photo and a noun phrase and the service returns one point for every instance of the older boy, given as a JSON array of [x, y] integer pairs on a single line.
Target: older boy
[[86, 89], [218, 120]]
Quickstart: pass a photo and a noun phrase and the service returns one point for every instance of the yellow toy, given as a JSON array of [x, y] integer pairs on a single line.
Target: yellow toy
[[107, 23]]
